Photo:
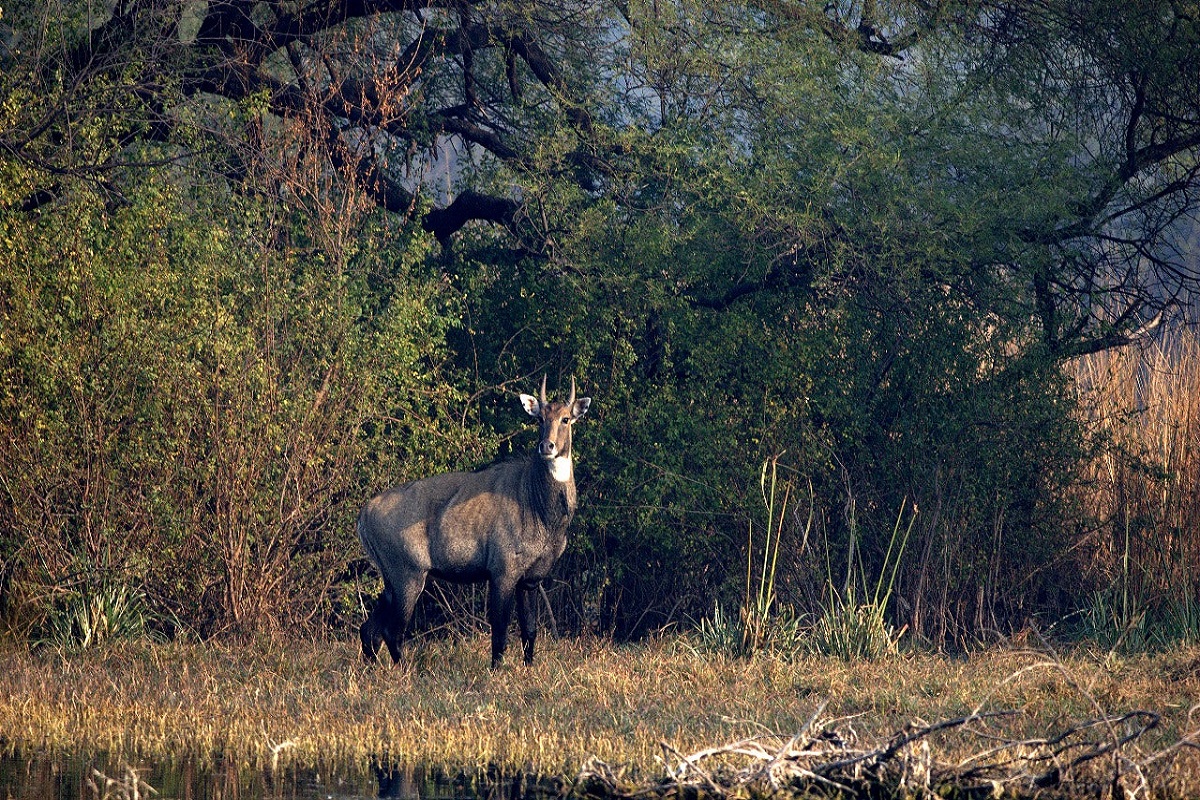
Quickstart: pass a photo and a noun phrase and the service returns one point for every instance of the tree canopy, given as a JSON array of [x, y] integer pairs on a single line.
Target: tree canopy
[[1091, 107]]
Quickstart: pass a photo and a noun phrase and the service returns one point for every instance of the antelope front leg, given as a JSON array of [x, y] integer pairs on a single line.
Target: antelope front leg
[[527, 619]]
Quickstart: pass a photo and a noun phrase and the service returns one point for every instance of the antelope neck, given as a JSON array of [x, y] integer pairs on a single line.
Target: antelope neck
[[560, 468]]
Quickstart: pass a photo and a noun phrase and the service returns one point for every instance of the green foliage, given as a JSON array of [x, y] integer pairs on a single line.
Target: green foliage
[[746, 230], [816, 251]]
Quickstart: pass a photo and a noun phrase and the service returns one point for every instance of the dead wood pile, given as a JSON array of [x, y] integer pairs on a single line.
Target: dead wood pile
[[827, 758]]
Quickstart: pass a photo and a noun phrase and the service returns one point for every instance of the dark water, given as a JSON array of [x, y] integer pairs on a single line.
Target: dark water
[[32, 777]]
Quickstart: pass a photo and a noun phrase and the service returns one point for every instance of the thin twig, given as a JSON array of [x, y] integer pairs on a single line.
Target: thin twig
[[703, 773]]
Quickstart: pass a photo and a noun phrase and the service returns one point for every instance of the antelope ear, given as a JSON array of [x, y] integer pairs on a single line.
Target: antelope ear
[[531, 405], [580, 408]]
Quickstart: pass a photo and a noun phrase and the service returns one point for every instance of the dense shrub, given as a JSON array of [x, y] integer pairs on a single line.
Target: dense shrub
[[191, 408]]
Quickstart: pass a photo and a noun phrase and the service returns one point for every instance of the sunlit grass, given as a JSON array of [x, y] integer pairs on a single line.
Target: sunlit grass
[[315, 703]]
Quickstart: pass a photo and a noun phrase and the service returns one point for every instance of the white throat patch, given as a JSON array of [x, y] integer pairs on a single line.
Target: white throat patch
[[560, 468]]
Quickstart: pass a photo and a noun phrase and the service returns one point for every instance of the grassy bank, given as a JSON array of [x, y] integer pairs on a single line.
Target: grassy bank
[[314, 703]]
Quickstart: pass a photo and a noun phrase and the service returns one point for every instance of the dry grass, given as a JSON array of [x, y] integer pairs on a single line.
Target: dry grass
[[312, 703]]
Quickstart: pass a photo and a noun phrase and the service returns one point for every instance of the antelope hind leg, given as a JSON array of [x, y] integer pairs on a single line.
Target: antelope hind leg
[[372, 631], [400, 612], [500, 607]]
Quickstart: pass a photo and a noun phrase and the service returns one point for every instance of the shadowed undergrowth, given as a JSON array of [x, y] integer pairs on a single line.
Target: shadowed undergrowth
[[628, 707]]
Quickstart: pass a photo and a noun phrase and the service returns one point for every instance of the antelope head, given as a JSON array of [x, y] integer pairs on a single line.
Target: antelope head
[[555, 420]]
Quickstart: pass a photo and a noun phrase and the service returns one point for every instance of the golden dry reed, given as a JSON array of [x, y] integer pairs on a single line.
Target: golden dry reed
[[1143, 485], [313, 703]]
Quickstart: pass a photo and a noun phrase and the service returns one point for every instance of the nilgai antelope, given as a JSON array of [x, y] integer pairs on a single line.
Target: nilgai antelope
[[506, 524]]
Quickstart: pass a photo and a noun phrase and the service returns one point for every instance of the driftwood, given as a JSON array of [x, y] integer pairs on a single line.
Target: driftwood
[[826, 759]]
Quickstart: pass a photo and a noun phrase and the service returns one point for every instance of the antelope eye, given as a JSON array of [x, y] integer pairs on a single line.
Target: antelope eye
[[566, 420]]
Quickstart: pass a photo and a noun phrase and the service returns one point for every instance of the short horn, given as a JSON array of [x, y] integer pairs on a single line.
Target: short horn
[[543, 389], [571, 402]]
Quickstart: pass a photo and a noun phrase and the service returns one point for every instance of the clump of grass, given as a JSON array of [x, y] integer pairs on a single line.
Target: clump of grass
[[761, 624], [852, 623], [780, 634], [850, 629], [83, 617], [851, 626], [759, 627]]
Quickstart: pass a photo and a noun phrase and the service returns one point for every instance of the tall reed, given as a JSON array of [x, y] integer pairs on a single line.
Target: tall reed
[[761, 624], [1142, 489]]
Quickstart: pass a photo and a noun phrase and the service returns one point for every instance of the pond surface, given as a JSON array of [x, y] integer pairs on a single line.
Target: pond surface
[[33, 777]]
